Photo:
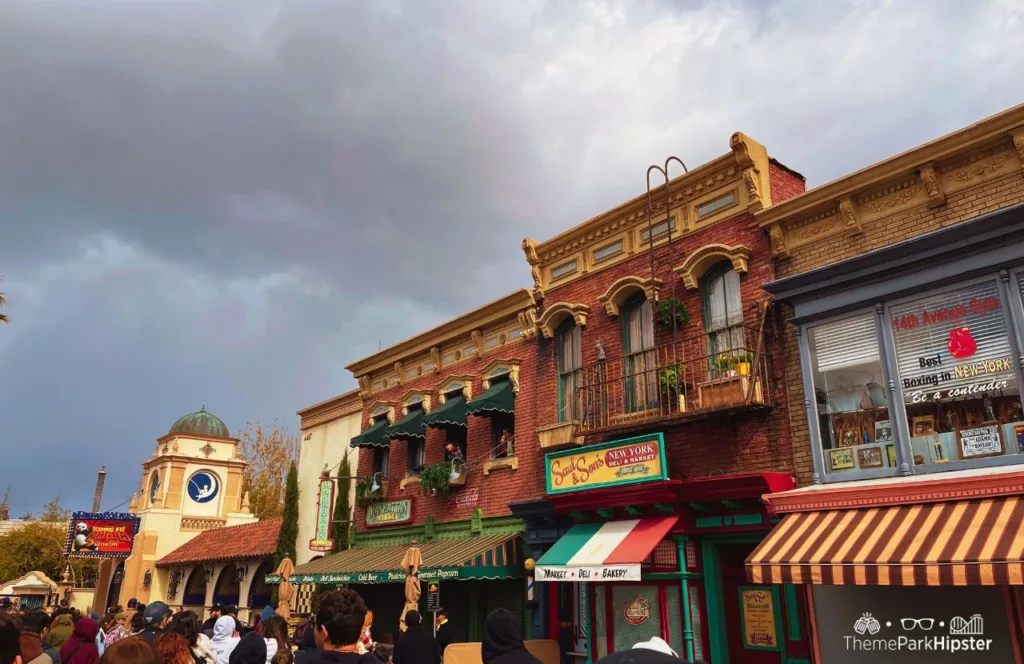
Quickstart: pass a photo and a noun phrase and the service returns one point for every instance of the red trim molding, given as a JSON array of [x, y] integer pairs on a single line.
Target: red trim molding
[[900, 492]]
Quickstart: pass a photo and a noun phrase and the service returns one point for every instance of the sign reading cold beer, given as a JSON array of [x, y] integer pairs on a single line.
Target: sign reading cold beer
[[953, 345], [393, 511], [618, 463]]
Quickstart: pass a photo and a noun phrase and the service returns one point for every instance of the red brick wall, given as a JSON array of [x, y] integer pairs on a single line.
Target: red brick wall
[[785, 183], [722, 445], [501, 486]]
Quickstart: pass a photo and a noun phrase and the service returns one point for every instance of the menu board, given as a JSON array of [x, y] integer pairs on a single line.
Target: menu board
[[977, 442], [758, 607]]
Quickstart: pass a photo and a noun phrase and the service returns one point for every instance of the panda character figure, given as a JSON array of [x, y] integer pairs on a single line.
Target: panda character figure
[[82, 533]]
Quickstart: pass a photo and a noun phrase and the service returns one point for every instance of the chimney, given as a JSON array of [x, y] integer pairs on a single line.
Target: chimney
[[101, 477]]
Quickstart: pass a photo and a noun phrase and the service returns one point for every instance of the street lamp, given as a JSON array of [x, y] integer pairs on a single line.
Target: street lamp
[[240, 572], [147, 578], [207, 573], [119, 574]]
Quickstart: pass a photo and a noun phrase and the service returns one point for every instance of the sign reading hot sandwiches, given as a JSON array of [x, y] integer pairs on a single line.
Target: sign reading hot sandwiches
[[618, 463]]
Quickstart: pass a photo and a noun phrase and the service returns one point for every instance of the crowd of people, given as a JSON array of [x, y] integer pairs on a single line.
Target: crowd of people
[[338, 632]]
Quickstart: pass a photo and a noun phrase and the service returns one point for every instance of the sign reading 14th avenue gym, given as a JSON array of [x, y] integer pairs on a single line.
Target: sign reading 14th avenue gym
[[618, 463]]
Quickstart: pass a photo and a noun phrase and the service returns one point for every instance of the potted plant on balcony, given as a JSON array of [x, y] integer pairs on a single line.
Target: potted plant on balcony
[[743, 362], [671, 384], [367, 495], [664, 313], [726, 365], [434, 479]]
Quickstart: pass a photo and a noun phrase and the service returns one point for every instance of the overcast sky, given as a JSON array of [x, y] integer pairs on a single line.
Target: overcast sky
[[225, 202]]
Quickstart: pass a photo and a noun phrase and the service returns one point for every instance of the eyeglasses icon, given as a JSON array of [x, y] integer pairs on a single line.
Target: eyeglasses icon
[[924, 623]]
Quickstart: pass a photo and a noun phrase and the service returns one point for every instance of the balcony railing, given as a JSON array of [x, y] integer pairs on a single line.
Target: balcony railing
[[692, 378]]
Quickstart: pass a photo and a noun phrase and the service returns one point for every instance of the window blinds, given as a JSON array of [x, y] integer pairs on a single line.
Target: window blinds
[[846, 343]]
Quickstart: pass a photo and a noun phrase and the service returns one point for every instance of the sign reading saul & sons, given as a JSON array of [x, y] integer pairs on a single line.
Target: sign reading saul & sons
[[618, 463], [394, 511]]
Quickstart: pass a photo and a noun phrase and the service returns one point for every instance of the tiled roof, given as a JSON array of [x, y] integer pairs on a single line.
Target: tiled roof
[[251, 540]]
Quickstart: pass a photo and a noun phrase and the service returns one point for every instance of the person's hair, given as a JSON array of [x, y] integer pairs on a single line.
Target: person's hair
[[172, 648], [108, 621], [276, 628], [35, 621], [186, 623], [341, 612], [282, 656], [131, 650], [10, 637], [138, 623]]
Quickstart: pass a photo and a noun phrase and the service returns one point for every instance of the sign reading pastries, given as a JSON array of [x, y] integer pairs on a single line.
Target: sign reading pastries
[[618, 463], [390, 512]]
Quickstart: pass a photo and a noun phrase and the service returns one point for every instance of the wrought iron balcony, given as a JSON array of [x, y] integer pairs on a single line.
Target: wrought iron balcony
[[693, 378]]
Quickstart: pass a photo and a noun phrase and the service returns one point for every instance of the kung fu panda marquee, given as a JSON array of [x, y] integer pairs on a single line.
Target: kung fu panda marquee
[[103, 535]]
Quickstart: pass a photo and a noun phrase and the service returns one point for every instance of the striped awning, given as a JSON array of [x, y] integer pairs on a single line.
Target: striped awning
[[956, 543], [611, 551]]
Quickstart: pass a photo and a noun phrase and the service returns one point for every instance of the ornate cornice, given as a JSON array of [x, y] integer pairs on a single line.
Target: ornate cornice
[[871, 493], [698, 262], [924, 175]]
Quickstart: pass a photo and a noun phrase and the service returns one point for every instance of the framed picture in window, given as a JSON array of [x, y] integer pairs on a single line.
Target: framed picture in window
[[841, 459], [923, 425], [890, 451], [870, 457], [848, 437], [883, 431]]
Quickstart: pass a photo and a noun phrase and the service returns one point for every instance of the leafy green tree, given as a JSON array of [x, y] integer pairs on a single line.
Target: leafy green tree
[[54, 512], [39, 546], [342, 507], [267, 451], [290, 518]]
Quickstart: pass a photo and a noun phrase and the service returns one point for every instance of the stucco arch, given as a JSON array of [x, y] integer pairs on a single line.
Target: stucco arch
[[697, 263], [556, 313], [619, 292]]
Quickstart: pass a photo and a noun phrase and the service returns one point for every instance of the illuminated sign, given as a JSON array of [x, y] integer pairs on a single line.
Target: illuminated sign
[[105, 535], [618, 463], [324, 511]]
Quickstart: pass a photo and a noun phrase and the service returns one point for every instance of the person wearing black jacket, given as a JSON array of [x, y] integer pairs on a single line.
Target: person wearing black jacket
[[503, 640], [337, 626], [416, 646], [212, 620], [443, 633]]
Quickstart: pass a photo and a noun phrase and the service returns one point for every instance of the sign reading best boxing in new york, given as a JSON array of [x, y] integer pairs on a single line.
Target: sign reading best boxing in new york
[[618, 463]]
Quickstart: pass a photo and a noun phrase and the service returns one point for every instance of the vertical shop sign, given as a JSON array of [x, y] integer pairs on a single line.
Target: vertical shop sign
[[324, 511], [582, 620], [759, 613], [434, 596]]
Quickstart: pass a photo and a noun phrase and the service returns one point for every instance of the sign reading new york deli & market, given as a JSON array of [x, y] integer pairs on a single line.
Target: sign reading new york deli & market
[[618, 463]]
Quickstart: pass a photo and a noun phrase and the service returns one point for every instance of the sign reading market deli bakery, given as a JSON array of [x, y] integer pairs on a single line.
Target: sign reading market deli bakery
[[953, 345], [618, 463]]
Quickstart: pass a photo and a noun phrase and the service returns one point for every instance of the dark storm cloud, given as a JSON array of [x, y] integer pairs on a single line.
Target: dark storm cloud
[[225, 202]]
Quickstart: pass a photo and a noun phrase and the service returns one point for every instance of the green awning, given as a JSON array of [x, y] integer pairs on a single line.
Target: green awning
[[497, 399], [374, 436], [451, 413], [410, 426], [479, 557]]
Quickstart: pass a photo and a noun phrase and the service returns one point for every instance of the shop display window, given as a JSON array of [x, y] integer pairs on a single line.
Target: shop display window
[[636, 614], [956, 374], [852, 404], [600, 621]]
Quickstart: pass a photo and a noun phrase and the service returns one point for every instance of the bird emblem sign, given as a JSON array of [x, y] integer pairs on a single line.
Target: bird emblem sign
[[203, 486], [104, 535]]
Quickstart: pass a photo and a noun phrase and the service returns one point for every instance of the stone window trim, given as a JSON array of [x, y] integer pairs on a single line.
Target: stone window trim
[[500, 369], [1013, 312], [451, 384], [379, 408], [703, 259], [414, 397], [556, 313], [615, 298]]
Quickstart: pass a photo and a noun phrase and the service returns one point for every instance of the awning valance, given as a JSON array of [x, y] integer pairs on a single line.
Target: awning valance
[[498, 398], [410, 426], [956, 543], [483, 557], [611, 551], [373, 436], [451, 413]]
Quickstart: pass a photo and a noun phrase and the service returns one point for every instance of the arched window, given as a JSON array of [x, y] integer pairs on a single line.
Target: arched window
[[641, 361], [569, 344], [723, 313]]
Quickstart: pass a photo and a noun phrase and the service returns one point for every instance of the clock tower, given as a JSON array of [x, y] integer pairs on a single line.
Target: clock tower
[[191, 483]]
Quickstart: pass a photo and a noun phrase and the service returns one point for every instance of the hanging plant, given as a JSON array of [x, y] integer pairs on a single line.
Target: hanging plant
[[434, 478], [665, 308], [365, 495]]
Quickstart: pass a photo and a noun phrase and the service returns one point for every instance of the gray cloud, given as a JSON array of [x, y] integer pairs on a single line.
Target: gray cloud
[[225, 202]]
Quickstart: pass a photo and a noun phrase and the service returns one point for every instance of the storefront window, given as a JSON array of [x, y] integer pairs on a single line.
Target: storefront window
[[852, 405], [956, 371], [697, 622], [674, 607], [636, 614], [600, 640]]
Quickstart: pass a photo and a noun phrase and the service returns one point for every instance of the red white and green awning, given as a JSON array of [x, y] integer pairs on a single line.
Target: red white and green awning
[[611, 551]]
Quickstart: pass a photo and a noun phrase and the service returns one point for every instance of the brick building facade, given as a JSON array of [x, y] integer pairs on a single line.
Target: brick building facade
[[902, 285]]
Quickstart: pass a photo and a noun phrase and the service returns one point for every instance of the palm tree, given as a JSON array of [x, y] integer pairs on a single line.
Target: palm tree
[[4, 318]]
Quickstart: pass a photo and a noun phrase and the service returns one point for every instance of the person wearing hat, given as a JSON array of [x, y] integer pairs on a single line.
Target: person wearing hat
[[444, 631], [156, 617], [417, 645], [215, 612]]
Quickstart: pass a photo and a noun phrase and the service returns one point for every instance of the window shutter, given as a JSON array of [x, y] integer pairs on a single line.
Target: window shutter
[[977, 320], [845, 343]]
